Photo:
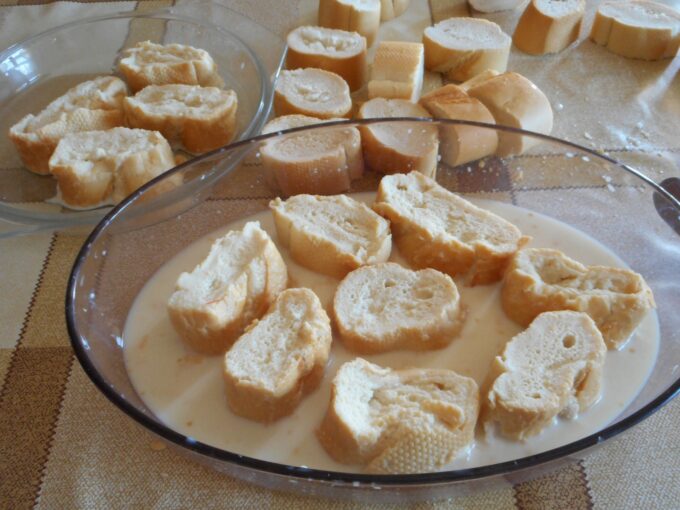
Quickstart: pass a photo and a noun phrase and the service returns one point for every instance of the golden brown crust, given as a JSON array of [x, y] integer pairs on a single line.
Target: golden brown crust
[[355, 16], [539, 32]]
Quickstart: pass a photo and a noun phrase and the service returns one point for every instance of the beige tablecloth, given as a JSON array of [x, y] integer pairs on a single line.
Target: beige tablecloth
[[63, 445]]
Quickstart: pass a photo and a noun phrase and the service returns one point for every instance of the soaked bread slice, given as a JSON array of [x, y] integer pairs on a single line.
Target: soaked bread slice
[[279, 359], [312, 92], [234, 284], [398, 421], [362, 16], [549, 26], [397, 71]]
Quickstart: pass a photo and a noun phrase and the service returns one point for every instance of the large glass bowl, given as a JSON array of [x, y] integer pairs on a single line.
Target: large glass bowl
[[621, 208]]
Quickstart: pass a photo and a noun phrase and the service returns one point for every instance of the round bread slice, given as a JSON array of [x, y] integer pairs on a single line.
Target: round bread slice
[[398, 421], [460, 48], [149, 63], [331, 235], [549, 26], [494, 5], [398, 147], [200, 118], [386, 307], [337, 51], [538, 280], [397, 71], [312, 92], [362, 16], [390, 9], [236, 283], [279, 359], [637, 29]]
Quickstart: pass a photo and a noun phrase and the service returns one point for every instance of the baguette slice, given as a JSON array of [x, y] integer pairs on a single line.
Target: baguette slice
[[200, 118], [149, 63], [515, 101], [331, 235], [292, 121], [540, 280], [312, 92], [279, 359], [398, 147], [461, 48], [390, 9], [362, 16], [398, 421], [461, 144], [93, 167], [637, 29], [386, 307], [477, 79], [337, 51], [494, 5], [552, 368], [89, 106], [549, 26], [397, 71], [435, 228], [238, 280]]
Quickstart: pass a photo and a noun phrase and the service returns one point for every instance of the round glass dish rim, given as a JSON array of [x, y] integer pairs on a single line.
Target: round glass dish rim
[[405, 480], [87, 217]]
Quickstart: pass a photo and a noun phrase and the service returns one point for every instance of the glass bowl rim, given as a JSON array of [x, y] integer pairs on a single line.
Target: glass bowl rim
[[320, 475]]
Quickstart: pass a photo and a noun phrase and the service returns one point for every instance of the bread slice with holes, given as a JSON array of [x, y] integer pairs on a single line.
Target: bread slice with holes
[[279, 359], [397, 71], [553, 368], [398, 147], [89, 106], [200, 118], [385, 307], [398, 421], [361, 16], [331, 235], [148, 63], [461, 48], [538, 280], [312, 92], [436, 228], [548, 26], [236, 283]]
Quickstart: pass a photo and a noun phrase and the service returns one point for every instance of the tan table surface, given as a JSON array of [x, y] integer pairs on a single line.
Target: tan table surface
[[63, 445]]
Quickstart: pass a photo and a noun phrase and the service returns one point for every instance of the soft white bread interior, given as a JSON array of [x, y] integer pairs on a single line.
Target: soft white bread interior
[[279, 359], [494, 5], [399, 147], [331, 235], [461, 48], [361, 16], [552, 368], [385, 307], [89, 106], [515, 101], [200, 118], [312, 92], [436, 228], [549, 26], [461, 144], [94, 167], [236, 283], [337, 51], [397, 71], [637, 29], [148, 63], [539, 280], [398, 421]]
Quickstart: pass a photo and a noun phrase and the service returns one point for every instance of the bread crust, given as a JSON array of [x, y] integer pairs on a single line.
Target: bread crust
[[397, 71], [351, 15], [540, 31], [312, 92]]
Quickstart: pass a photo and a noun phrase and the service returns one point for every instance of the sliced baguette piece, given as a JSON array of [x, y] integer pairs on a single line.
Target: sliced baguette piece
[[461, 144], [398, 421], [398, 147], [331, 235], [435, 228], [361, 16], [477, 79], [637, 29], [552, 368], [390, 9], [494, 5], [291, 121], [515, 101], [461, 48], [386, 307], [200, 118], [397, 71], [312, 92], [548, 26], [89, 106], [280, 358], [337, 51], [149, 63], [540, 280], [235, 284]]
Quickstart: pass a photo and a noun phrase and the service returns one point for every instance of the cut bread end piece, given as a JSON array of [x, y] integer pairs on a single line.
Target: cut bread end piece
[[397, 71], [312, 92], [361, 16], [548, 26]]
